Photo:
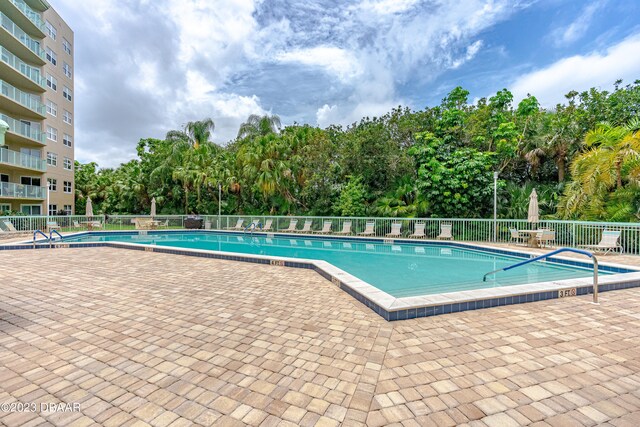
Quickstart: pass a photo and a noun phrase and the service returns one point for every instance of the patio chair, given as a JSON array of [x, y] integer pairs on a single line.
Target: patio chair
[[52, 225], [546, 237], [368, 229], [164, 224], [346, 228], [96, 224], [76, 224], [418, 231], [516, 237], [267, 225], [238, 226], [608, 243], [326, 228], [396, 230], [9, 226], [292, 226], [445, 232], [306, 228]]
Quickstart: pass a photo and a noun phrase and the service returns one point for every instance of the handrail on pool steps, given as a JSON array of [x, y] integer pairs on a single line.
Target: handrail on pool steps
[[557, 251]]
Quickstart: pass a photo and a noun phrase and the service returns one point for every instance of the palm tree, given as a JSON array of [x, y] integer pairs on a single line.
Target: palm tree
[[259, 126], [194, 133]]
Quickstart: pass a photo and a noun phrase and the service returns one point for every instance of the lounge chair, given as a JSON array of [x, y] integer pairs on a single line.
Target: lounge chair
[[418, 231], [95, 224], [52, 225], [346, 228], [445, 232], [76, 224], [9, 226], [164, 224], [306, 228], [238, 226], [368, 229], [140, 224], [396, 230], [326, 228], [546, 237], [516, 237], [292, 227], [609, 242], [267, 225]]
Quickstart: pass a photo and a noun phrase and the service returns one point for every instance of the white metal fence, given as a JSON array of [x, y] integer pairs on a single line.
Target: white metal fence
[[567, 233]]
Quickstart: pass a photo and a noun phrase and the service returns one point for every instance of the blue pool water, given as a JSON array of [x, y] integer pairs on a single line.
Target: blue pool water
[[400, 270]]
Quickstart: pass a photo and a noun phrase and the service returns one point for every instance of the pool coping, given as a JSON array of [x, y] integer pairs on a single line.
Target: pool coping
[[389, 307]]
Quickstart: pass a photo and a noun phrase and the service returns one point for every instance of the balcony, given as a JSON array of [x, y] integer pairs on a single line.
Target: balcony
[[10, 190], [33, 16], [21, 43], [24, 133], [18, 73], [22, 161], [23, 103]]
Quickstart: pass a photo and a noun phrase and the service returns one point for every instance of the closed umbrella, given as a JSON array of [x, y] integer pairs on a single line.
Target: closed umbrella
[[533, 216], [153, 207], [89, 211]]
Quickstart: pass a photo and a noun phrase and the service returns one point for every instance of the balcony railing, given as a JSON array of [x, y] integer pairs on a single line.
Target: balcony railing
[[32, 73], [24, 38], [31, 131], [25, 99], [20, 191], [16, 158], [29, 13]]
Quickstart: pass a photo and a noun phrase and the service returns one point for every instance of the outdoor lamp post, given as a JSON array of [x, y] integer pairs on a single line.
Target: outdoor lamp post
[[495, 206], [219, 203]]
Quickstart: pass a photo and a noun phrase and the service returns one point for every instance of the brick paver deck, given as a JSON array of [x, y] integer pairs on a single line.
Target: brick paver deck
[[155, 339]]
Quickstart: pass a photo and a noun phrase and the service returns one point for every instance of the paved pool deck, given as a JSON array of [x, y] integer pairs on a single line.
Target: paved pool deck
[[140, 338]]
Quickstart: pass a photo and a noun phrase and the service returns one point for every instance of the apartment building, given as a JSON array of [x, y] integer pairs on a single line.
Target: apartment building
[[36, 103]]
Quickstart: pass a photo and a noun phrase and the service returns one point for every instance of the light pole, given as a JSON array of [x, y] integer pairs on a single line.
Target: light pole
[[47, 207], [219, 203], [495, 206]]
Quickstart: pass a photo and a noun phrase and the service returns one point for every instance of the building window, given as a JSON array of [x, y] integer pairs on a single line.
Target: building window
[[67, 186], [66, 68], [66, 45], [4, 207], [68, 165], [53, 209], [52, 159], [51, 30], [66, 140], [4, 177], [52, 82], [68, 209], [66, 92], [52, 108], [31, 209], [66, 117], [53, 184], [51, 56], [52, 133], [30, 180]]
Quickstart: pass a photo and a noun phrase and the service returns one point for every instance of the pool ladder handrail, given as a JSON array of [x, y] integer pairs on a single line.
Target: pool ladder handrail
[[252, 226], [51, 237], [35, 233], [557, 251]]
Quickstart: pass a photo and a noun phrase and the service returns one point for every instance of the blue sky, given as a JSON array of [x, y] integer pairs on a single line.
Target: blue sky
[[144, 67]]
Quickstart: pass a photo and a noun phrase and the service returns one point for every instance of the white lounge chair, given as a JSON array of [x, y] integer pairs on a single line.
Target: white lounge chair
[[369, 229], [516, 237], [292, 226], [396, 230], [95, 224], [52, 225], [76, 224], [9, 226], [267, 225], [326, 228], [445, 232], [546, 237], [608, 243], [306, 228], [418, 231], [346, 228], [238, 226]]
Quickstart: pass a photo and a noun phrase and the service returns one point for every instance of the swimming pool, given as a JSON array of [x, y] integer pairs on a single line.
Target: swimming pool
[[399, 269]]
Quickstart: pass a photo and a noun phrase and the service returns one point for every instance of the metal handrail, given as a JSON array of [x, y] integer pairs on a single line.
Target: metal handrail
[[252, 226], [36, 233], [557, 251], [57, 232]]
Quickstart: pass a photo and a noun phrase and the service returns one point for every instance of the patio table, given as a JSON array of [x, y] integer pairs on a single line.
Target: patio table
[[533, 234]]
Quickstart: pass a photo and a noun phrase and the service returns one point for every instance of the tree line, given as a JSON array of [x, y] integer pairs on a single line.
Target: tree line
[[582, 156]]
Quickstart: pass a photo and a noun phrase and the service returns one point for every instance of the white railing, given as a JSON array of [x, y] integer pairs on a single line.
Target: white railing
[[567, 233]]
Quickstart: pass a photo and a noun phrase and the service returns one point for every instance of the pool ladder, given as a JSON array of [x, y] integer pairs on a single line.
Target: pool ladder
[[252, 226], [557, 251], [49, 238]]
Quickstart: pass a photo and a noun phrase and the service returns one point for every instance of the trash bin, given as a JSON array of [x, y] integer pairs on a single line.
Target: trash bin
[[193, 223], [207, 225]]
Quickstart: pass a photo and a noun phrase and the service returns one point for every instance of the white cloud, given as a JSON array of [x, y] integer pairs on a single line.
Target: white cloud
[[568, 34], [337, 61], [581, 72], [472, 51]]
